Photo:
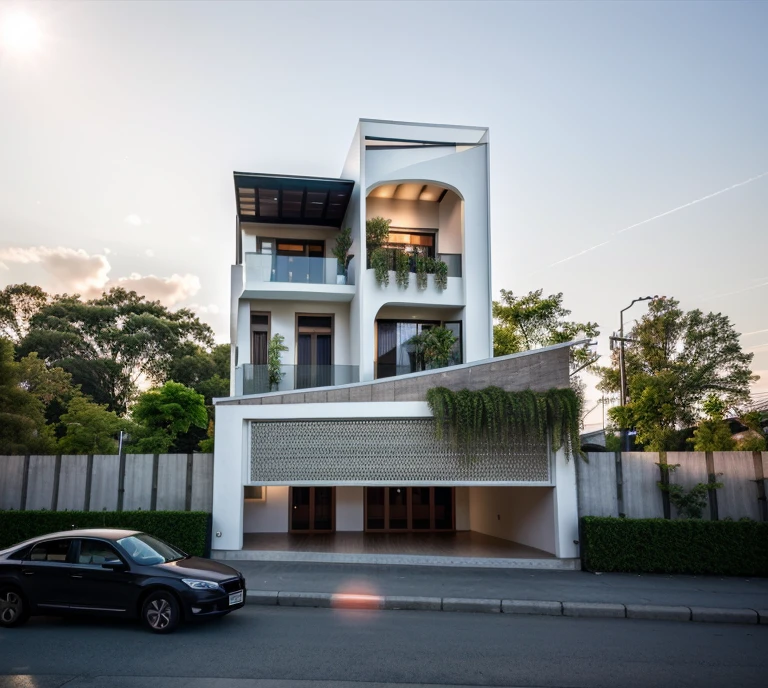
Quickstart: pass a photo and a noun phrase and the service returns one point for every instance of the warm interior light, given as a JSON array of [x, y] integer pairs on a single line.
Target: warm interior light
[[20, 33]]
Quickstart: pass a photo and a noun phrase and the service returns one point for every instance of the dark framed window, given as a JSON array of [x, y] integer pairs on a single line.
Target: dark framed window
[[52, 551], [394, 354]]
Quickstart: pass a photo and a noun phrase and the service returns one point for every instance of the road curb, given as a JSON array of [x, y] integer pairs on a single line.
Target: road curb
[[601, 610]]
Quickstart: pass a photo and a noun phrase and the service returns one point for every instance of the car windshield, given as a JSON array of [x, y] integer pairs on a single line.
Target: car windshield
[[147, 550]]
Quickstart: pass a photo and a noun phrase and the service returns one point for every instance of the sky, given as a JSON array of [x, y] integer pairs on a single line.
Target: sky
[[629, 141]]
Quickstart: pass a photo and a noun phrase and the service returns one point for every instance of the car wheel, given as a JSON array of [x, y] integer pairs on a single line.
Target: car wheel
[[160, 612], [14, 609]]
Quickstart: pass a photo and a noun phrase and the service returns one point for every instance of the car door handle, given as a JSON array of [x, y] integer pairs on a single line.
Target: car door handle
[[29, 573], [76, 575]]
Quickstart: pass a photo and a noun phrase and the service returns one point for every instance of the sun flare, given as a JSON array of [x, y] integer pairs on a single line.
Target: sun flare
[[19, 33]]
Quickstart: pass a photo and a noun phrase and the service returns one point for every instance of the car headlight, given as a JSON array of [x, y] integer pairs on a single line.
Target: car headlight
[[196, 584]]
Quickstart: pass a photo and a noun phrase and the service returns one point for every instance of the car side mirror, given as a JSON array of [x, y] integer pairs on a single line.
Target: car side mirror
[[114, 565]]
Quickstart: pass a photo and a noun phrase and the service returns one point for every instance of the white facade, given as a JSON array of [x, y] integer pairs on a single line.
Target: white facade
[[432, 183]]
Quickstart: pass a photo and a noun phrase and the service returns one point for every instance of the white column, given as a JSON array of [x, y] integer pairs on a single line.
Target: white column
[[228, 479], [566, 507]]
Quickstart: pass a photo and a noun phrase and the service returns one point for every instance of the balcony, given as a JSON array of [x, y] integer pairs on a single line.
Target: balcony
[[297, 277], [254, 379]]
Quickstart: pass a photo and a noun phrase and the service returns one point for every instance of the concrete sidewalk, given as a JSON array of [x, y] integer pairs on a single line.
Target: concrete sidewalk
[[463, 589]]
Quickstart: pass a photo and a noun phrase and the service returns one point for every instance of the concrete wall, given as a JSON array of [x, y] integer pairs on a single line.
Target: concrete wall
[[737, 498], [450, 238], [61, 483], [268, 516], [608, 487], [597, 484], [539, 370], [350, 508], [642, 497], [521, 514]]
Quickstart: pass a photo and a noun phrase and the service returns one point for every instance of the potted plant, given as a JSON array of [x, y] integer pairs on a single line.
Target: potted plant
[[274, 349], [380, 263], [341, 251], [376, 234], [433, 348]]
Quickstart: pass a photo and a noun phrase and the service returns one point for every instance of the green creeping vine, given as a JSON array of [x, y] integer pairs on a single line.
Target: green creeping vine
[[495, 416]]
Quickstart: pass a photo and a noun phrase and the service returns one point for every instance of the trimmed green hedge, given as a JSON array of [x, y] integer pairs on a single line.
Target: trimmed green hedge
[[657, 545], [187, 530]]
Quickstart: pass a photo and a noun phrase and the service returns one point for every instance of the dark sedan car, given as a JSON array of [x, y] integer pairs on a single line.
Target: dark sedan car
[[114, 572]]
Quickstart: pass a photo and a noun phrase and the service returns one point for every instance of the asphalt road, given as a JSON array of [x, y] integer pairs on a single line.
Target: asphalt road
[[262, 647]]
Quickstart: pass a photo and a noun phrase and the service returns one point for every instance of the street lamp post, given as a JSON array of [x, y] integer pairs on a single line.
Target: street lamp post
[[622, 368]]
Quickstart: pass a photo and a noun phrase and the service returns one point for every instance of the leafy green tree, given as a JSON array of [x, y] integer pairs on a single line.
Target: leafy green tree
[[533, 321], [673, 363], [164, 415], [108, 344], [89, 428], [713, 433], [756, 438], [22, 415], [18, 303], [53, 387], [376, 233], [205, 371], [275, 349]]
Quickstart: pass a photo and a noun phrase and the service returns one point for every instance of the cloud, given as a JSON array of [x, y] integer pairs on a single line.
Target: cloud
[[133, 220], [211, 308], [149, 253], [168, 290], [71, 270], [76, 271]]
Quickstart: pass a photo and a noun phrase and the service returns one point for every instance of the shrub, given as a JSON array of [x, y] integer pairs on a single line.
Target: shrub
[[187, 530], [657, 545]]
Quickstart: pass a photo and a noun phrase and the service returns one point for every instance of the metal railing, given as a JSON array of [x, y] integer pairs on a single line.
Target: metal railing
[[265, 267], [254, 379]]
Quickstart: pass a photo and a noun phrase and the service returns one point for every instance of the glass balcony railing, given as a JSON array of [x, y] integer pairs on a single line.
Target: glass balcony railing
[[254, 379], [452, 260], [262, 267]]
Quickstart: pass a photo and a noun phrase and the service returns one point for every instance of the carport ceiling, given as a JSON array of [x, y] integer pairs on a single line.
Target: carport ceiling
[[411, 191], [284, 200]]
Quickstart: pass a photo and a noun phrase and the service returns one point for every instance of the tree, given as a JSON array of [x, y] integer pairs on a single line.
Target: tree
[[532, 321], [53, 387], [22, 416], [164, 414], [18, 303], [673, 363], [89, 428], [108, 344], [713, 433], [207, 372]]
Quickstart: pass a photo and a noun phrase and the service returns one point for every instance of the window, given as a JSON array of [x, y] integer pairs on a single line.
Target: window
[[96, 552], [146, 550], [256, 493], [394, 354], [52, 550], [260, 338], [314, 353], [420, 243]]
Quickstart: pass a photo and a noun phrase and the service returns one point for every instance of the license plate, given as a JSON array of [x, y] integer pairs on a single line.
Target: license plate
[[236, 597]]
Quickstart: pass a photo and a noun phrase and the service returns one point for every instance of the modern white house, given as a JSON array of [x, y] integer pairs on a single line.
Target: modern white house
[[337, 456]]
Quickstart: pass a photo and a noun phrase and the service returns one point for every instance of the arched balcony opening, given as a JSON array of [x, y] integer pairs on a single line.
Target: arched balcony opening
[[426, 219]]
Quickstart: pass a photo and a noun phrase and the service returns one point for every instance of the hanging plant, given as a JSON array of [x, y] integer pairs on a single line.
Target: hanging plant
[[491, 415], [274, 349], [441, 275], [402, 269], [380, 260], [421, 271]]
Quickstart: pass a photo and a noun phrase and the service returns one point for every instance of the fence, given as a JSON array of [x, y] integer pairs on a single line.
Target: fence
[[626, 483], [111, 482]]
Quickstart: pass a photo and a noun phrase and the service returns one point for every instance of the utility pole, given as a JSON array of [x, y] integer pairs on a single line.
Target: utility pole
[[622, 367]]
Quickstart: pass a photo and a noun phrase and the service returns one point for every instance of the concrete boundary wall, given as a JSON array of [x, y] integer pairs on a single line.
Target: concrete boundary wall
[[149, 482], [614, 484]]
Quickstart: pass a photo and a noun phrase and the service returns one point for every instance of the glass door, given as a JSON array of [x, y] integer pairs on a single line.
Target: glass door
[[313, 509], [409, 509]]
